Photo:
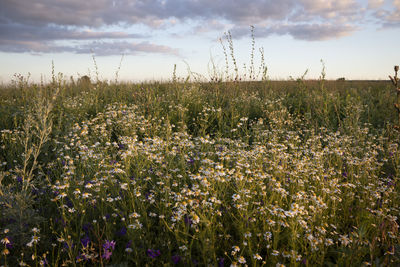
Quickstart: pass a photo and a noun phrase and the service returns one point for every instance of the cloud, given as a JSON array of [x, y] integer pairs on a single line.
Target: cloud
[[14, 31], [24, 22], [96, 13], [308, 32], [375, 4], [209, 25], [99, 48], [127, 48], [388, 16], [318, 32]]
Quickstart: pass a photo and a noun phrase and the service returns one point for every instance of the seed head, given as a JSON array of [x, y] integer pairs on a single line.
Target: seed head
[[396, 68]]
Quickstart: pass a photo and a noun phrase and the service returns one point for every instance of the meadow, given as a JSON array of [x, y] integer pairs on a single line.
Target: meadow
[[196, 173]]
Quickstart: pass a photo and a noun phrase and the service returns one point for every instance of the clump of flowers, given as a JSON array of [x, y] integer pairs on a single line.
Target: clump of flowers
[[153, 253], [108, 248]]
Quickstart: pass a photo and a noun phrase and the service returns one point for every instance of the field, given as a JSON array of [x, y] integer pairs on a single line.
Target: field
[[186, 173]]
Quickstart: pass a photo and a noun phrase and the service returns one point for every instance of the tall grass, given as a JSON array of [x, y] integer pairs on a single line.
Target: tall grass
[[218, 173]]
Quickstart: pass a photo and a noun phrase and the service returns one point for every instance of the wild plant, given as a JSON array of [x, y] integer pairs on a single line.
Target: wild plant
[[228, 37], [199, 174], [395, 82], [249, 72], [118, 69], [226, 59]]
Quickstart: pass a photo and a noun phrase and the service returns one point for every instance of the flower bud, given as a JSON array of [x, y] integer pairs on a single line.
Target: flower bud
[[396, 68]]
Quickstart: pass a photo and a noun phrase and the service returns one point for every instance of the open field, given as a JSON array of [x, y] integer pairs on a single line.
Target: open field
[[294, 173]]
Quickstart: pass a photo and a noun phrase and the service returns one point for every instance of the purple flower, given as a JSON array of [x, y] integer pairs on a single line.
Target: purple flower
[[187, 220], [221, 262], [85, 241], [109, 245], [44, 262], [344, 174], [87, 227], [176, 259], [19, 179], [107, 254], [66, 246], [9, 245], [122, 231], [153, 253]]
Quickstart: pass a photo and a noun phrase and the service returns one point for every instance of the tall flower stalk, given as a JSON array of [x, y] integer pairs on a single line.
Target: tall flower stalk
[[395, 82]]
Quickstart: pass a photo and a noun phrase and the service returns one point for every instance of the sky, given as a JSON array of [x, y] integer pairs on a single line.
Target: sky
[[142, 40]]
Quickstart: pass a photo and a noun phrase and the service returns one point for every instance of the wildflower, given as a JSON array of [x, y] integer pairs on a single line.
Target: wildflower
[[86, 195], [267, 235], [85, 241], [235, 249], [242, 260], [122, 231], [176, 259], [344, 240], [187, 220], [5, 241], [275, 253], [195, 218], [235, 197], [107, 254], [109, 245], [328, 242], [134, 215], [77, 191], [153, 253], [35, 239], [124, 186], [257, 256], [43, 262], [5, 252], [62, 195]]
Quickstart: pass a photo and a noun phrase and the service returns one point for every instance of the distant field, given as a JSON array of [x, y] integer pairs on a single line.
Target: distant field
[[274, 173]]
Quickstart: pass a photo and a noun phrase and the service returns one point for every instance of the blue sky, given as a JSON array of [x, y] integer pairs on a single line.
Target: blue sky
[[356, 39]]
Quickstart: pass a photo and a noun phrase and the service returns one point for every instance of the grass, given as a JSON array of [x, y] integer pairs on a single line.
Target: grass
[[240, 170], [257, 173]]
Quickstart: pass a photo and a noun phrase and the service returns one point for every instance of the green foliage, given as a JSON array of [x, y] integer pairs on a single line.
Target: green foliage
[[267, 172]]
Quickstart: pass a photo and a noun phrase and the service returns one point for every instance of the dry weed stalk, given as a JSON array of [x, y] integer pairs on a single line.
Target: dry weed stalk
[[395, 81], [37, 129]]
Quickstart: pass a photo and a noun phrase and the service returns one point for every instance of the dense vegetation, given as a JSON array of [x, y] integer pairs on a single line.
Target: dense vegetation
[[258, 173]]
